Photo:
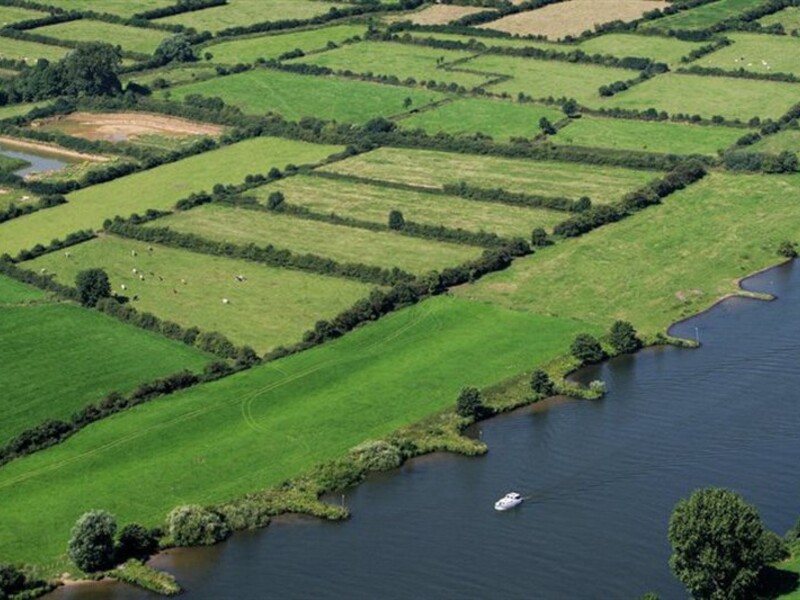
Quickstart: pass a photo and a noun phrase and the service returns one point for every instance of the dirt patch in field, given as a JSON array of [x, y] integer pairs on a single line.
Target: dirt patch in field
[[573, 17], [439, 14], [119, 127]]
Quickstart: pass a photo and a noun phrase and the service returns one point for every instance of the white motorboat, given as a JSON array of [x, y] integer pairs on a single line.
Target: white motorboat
[[508, 501]]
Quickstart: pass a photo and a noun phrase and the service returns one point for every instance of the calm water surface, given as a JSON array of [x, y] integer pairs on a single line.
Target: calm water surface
[[40, 162], [603, 479]]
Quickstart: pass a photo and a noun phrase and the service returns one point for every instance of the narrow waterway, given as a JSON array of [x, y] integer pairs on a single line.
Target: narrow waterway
[[603, 478], [39, 162]]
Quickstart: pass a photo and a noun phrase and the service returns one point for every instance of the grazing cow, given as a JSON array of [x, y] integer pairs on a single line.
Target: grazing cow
[[123, 287], [226, 301]]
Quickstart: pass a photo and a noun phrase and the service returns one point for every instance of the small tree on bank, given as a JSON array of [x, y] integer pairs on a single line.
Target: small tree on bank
[[91, 546], [587, 349], [624, 338], [195, 526], [787, 249], [92, 285], [539, 238], [542, 384], [470, 403]]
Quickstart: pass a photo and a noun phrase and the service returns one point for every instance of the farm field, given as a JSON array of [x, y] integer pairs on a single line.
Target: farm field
[[13, 14], [703, 16], [354, 388], [248, 50], [659, 266], [757, 53], [57, 358], [373, 203], [342, 244], [691, 94], [127, 8], [490, 41], [172, 75], [788, 17], [438, 14], [647, 136], [788, 139], [30, 52], [132, 39], [402, 61], [273, 307], [295, 96], [157, 188], [573, 17], [16, 195], [241, 13], [659, 49], [13, 292], [431, 169], [499, 119], [544, 78], [16, 110]]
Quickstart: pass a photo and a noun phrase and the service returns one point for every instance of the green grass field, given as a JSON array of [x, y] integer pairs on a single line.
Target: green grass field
[[173, 74], [659, 49], [15, 110], [647, 136], [30, 52], [123, 8], [373, 203], [13, 14], [247, 12], [296, 96], [691, 94], [543, 78], [704, 16], [757, 53], [273, 307], [57, 358], [788, 139], [343, 244], [248, 50], [489, 41], [501, 120], [404, 62], [157, 188], [132, 39], [788, 17], [142, 463], [431, 169], [14, 292], [662, 265]]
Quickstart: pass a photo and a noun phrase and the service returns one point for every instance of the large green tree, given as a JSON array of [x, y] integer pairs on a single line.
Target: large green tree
[[92, 285], [718, 543], [624, 338], [91, 546]]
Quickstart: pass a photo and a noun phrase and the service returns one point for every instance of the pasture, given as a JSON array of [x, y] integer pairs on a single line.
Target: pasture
[[788, 17], [364, 386], [342, 244], [547, 78], [157, 188], [14, 292], [272, 308], [786, 140], [57, 358], [132, 39], [703, 16], [296, 96], [128, 8], [373, 203], [13, 14], [659, 266], [647, 136], [430, 169], [404, 62], [172, 74], [248, 50], [692, 94], [573, 17], [30, 52], [241, 13], [756, 53], [660, 49], [489, 41], [498, 119], [16, 110]]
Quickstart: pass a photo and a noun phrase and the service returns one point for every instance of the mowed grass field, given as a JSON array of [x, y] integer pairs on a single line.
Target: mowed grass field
[[30, 52], [703, 16], [545, 78], [251, 431], [647, 136], [342, 244], [402, 61], [757, 53], [273, 307], [57, 358], [123, 8], [14, 292], [431, 169], [659, 266], [659, 49], [499, 119], [373, 203], [490, 41], [241, 13], [13, 14], [132, 39], [157, 188], [692, 94], [788, 139], [248, 50], [788, 17], [295, 96]]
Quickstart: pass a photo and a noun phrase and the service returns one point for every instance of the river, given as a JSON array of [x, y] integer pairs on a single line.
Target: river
[[603, 478], [39, 161]]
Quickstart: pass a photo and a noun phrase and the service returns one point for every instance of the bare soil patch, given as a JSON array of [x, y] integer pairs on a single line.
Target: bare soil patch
[[439, 14], [119, 127], [573, 17]]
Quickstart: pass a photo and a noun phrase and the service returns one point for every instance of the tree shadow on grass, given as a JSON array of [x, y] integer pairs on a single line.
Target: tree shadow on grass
[[774, 583]]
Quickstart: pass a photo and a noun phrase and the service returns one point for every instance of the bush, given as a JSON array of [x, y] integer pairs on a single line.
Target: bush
[[788, 249], [377, 456], [623, 337], [91, 546], [587, 349], [542, 384], [92, 285], [396, 220], [470, 403], [12, 580], [539, 238], [193, 525], [136, 541]]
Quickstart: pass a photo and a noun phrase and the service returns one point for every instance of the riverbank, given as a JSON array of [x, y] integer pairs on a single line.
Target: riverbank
[[45, 148]]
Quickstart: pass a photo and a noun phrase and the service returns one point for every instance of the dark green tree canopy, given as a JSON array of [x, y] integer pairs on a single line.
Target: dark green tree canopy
[[175, 48], [470, 403], [624, 338], [587, 349], [192, 525], [92, 285], [396, 220], [91, 546], [542, 384]]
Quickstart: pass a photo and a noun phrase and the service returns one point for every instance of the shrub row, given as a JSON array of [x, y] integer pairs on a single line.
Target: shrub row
[[785, 162], [77, 237], [15, 210], [501, 196], [182, 6], [740, 73]]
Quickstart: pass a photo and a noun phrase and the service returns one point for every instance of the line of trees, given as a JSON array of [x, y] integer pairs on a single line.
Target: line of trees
[[501, 196]]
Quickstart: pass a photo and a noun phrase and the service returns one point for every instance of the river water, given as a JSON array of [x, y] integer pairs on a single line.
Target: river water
[[40, 162], [603, 478]]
